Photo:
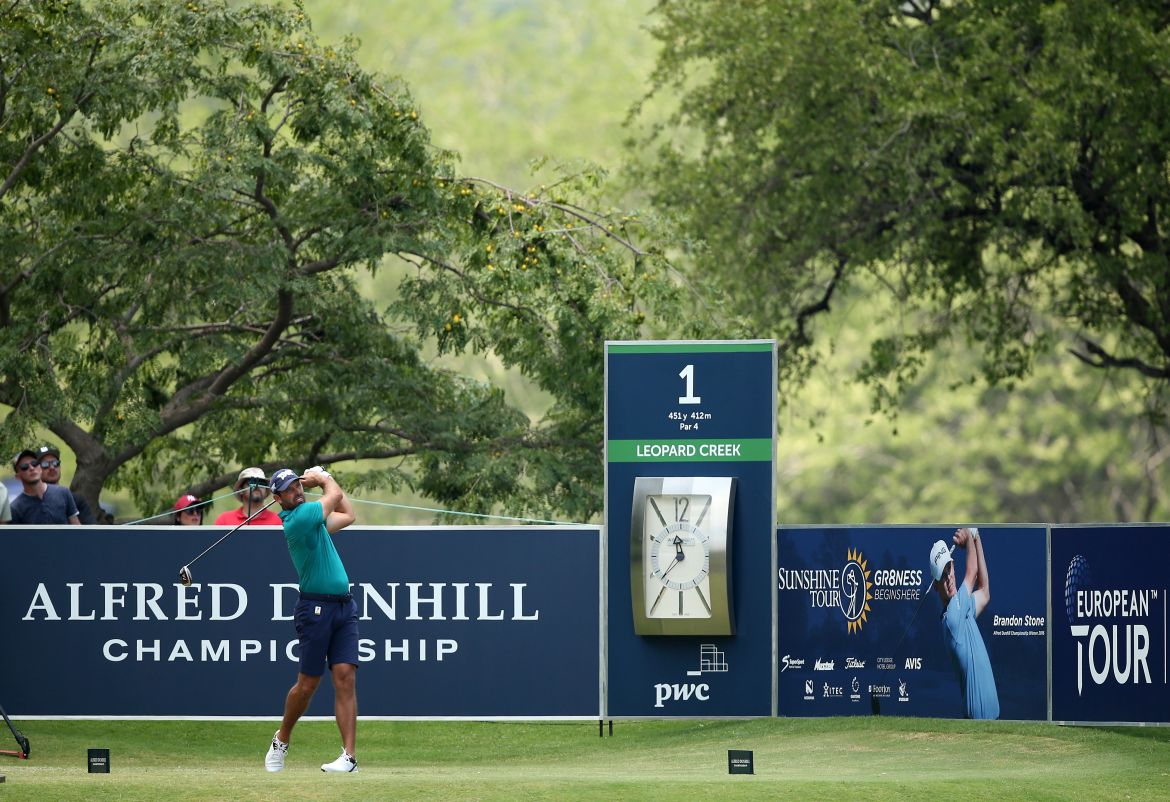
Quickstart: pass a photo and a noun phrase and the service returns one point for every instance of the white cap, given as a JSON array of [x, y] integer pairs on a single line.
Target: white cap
[[940, 556], [251, 473]]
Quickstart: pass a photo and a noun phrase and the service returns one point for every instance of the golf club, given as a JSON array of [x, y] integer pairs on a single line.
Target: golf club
[[185, 571], [918, 609], [20, 739], [875, 705]]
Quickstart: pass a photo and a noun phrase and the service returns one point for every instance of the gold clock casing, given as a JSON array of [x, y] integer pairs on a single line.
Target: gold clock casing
[[680, 555]]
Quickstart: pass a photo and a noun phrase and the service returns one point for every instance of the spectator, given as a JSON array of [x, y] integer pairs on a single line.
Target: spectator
[[252, 488], [40, 503], [50, 459], [5, 510], [188, 511]]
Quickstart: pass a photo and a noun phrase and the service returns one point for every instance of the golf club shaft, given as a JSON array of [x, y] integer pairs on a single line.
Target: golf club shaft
[[245, 522], [913, 618], [20, 739]]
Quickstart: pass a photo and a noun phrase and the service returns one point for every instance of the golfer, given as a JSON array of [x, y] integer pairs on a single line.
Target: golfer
[[326, 616], [961, 605]]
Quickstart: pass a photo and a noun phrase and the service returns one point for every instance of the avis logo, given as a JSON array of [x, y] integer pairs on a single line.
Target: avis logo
[[1118, 650], [913, 663], [710, 660]]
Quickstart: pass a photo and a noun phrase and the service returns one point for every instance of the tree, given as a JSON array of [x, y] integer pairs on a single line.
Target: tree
[[999, 167], [1069, 445], [188, 192]]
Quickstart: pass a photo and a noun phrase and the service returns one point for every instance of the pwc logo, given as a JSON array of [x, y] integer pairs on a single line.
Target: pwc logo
[[680, 692], [711, 660]]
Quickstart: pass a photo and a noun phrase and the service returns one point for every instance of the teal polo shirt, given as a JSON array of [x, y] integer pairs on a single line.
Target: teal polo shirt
[[318, 565]]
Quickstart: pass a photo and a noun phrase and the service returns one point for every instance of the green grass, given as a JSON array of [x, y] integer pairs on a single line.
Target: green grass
[[848, 758]]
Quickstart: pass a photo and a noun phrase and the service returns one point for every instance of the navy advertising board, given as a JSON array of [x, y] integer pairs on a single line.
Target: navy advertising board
[[1109, 628], [860, 627], [690, 449], [462, 622]]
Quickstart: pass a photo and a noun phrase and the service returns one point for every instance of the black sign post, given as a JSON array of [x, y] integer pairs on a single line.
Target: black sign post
[[99, 761], [739, 761]]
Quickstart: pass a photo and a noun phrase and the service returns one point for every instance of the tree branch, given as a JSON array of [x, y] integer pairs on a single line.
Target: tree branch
[[1098, 357]]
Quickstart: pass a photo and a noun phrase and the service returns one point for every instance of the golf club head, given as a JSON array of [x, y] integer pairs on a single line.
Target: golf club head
[[185, 576], [23, 745]]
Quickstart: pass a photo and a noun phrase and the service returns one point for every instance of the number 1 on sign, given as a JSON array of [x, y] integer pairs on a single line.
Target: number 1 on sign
[[688, 373]]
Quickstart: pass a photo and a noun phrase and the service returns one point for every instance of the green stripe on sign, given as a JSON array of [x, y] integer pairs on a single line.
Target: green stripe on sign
[[688, 348], [749, 450]]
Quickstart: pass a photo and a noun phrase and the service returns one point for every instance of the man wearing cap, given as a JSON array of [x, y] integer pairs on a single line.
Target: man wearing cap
[[50, 458], [326, 616], [962, 604], [40, 503], [252, 488]]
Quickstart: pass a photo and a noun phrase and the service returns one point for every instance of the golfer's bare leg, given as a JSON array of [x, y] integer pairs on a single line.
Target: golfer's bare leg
[[296, 703], [345, 704]]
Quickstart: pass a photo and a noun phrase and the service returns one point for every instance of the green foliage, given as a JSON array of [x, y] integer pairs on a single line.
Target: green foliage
[[999, 167], [186, 212], [1067, 446], [507, 82]]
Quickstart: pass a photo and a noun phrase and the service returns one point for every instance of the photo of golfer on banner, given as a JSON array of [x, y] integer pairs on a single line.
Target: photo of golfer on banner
[[962, 604], [326, 615]]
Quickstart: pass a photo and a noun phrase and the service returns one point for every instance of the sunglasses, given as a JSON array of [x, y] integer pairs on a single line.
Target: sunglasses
[[50, 463], [28, 465], [191, 512]]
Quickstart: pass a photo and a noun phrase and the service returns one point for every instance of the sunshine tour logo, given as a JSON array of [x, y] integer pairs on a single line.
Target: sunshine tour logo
[[849, 588]]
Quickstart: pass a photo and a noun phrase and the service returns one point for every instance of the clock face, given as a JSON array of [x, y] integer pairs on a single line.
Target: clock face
[[677, 571], [680, 546]]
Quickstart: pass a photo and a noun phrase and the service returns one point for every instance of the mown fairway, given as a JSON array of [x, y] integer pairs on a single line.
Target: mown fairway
[[852, 758]]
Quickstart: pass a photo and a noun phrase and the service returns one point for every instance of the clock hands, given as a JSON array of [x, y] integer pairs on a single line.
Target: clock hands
[[679, 556]]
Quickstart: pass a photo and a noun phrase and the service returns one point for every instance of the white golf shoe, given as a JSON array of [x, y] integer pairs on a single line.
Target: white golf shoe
[[344, 763], [274, 760]]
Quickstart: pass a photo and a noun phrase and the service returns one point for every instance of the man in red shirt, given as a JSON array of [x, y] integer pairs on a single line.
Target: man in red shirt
[[252, 488]]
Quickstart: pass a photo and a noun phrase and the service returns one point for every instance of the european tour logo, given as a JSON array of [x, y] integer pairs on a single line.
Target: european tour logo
[[1110, 628]]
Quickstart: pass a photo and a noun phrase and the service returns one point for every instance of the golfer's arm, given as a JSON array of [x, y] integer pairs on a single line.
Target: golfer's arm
[[335, 506], [342, 517], [971, 567], [982, 593]]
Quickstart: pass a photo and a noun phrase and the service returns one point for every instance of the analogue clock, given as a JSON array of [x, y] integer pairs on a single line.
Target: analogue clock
[[680, 539]]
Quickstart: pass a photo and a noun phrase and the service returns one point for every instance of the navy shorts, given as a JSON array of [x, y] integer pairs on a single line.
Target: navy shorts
[[328, 628]]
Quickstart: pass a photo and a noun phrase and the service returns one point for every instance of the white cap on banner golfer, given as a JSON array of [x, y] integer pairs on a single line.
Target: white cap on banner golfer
[[940, 555]]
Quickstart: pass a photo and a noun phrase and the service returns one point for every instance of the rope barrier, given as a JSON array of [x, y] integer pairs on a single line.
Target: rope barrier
[[173, 511], [382, 504]]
